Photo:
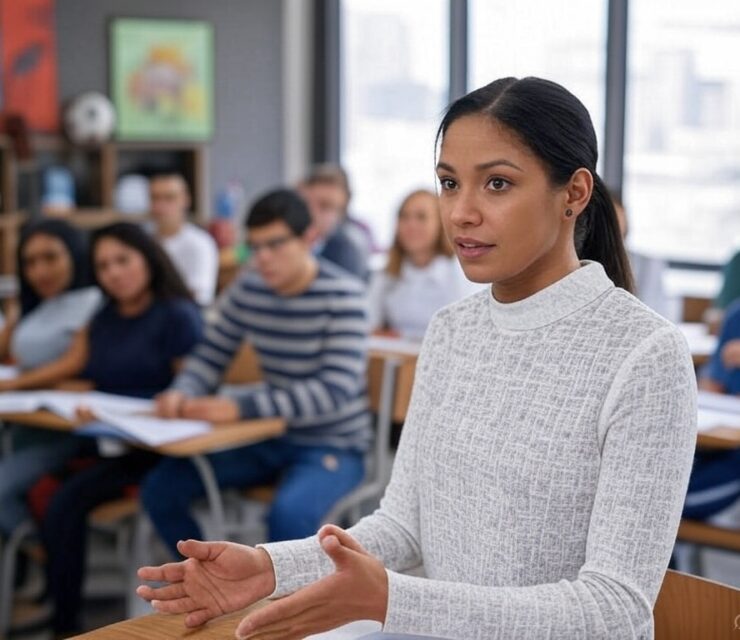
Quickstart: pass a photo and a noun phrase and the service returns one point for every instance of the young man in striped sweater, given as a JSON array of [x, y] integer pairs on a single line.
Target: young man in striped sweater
[[306, 319]]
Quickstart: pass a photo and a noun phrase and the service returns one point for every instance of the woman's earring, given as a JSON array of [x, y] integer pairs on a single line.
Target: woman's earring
[[568, 213]]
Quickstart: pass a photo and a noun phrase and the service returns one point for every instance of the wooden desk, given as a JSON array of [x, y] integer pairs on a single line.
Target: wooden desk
[[168, 627], [719, 438], [226, 436]]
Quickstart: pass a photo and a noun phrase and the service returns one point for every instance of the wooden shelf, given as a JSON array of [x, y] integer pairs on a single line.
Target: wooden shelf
[[98, 167]]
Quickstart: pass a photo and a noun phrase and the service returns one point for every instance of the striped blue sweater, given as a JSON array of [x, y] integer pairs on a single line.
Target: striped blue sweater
[[312, 349]]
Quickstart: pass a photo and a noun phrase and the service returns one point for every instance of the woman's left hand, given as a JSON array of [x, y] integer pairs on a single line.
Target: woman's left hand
[[210, 409], [357, 590]]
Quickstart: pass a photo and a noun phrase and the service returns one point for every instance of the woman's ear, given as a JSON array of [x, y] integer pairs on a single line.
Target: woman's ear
[[578, 191]]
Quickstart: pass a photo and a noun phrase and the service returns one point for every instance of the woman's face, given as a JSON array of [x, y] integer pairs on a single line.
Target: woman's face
[[498, 208], [418, 224], [47, 265], [120, 269]]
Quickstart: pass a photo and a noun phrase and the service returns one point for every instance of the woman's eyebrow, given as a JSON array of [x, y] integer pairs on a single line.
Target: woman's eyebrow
[[483, 166]]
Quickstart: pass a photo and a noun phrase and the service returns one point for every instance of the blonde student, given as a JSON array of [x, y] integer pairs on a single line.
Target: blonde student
[[422, 274], [544, 461]]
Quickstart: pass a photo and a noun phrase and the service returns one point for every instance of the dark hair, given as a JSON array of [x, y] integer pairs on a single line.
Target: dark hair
[[556, 126], [329, 174], [280, 205], [164, 280], [75, 244]]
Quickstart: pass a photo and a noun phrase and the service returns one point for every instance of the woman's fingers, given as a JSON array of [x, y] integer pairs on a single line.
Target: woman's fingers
[[170, 572], [168, 592]]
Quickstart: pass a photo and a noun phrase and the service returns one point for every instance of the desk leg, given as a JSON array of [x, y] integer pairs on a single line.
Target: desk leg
[[213, 495]]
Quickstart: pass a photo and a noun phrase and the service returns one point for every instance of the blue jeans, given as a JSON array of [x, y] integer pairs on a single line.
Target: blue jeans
[[714, 483], [21, 469], [310, 481]]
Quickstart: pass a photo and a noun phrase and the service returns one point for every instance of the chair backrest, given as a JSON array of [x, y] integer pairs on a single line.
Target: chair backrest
[[692, 607], [245, 367]]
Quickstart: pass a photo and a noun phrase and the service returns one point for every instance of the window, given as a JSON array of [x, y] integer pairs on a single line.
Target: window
[[682, 159], [394, 89], [560, 40]]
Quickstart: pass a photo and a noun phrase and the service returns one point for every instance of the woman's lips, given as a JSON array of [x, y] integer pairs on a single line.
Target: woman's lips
[[471, 248]]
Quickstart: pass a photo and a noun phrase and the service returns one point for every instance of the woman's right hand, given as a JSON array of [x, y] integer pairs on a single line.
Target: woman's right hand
[[215, 579], [169, 404]]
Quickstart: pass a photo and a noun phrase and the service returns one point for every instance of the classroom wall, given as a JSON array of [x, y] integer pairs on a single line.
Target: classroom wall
[[247, 143]]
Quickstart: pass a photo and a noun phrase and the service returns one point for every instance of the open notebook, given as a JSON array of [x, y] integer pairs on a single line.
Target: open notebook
[[718, 410], [118, 416]]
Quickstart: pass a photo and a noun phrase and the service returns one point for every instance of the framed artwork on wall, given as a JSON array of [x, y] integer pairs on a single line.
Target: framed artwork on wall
[[161, 78]]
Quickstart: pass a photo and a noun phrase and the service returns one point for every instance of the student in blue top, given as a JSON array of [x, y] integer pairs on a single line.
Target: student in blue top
[[57, 300], [133, 346], [715, 477]]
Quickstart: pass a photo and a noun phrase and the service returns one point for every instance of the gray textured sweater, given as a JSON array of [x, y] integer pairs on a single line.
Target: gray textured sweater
[[541, 472]]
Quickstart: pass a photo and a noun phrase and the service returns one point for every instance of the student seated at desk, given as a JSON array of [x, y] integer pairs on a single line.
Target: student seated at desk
[[544, 460], [192, 250], [57, 300], [335, 237], [422, 274], [306, 320], [715, 477], [132, 347]]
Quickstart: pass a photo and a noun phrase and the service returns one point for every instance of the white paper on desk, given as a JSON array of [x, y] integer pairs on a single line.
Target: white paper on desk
[[710, 418], [20, 401], [153, 431], [8, 373], [394, 345], [719, 402], [65, 403]]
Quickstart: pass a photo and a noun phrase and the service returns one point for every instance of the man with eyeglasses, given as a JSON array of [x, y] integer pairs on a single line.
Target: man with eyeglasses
[[307, 322], [336, 238]]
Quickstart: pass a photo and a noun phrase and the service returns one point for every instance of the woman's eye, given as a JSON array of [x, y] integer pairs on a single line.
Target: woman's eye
[[498, 184], [447, 184]]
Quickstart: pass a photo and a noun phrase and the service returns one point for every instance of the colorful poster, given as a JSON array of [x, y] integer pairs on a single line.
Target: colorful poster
[[162, 79], [29, 63]]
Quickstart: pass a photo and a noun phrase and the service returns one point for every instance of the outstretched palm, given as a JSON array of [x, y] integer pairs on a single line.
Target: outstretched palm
[[216, 578]]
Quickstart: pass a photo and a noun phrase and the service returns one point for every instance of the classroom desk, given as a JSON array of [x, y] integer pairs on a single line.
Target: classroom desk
[[719, 438], [168, 627], [226, 436]]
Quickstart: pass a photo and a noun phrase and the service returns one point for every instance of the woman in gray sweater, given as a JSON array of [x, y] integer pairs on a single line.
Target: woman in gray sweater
[[545, 458]]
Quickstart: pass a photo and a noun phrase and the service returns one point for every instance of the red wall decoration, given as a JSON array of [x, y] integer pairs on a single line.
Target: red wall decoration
[[29, 63]]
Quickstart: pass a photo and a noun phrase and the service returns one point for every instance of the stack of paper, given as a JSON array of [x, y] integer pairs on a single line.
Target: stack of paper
[[65, 403], [8, 373], [718, 410], [126, 418]]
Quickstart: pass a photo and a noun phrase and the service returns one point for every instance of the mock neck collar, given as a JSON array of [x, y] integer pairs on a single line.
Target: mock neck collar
[[562, 298]]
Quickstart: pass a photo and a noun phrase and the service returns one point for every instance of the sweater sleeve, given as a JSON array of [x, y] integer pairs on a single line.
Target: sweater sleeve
[[204, 368], [647, 433], [391, 533]]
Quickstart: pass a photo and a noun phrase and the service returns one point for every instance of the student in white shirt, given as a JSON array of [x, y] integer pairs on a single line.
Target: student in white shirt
[[192, 250], [422, 274]]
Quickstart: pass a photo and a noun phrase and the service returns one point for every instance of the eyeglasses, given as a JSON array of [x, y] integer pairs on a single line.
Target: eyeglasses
[[271, 245]]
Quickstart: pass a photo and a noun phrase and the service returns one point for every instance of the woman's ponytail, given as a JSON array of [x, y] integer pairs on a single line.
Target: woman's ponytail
[[598, 238]]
